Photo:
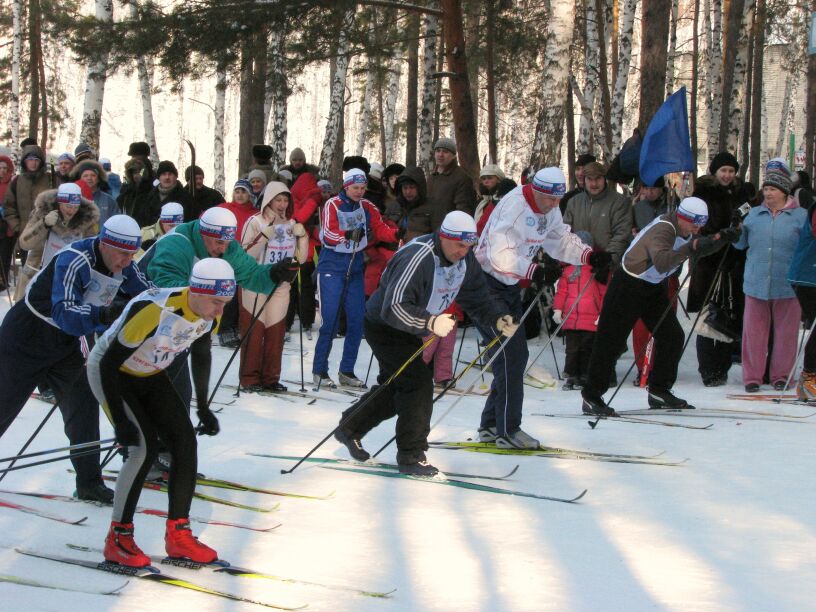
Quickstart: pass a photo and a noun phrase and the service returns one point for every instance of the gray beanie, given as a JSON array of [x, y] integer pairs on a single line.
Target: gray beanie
[[779, 179], [446, 143]]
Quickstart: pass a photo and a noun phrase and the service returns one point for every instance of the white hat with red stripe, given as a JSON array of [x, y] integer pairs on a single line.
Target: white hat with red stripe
[[459, 226], [218, 223], [121, 232], [213, 276]]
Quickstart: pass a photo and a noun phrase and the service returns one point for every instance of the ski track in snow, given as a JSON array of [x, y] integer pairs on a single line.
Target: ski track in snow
[[731, 529]]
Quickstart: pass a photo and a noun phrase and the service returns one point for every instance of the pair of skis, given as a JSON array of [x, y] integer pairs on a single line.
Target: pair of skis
[[388, 470]]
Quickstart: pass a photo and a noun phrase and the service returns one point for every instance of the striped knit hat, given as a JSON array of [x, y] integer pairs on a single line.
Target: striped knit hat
[[355, 176], [550, 182], [121, 232], [218, 223], [212, 276]]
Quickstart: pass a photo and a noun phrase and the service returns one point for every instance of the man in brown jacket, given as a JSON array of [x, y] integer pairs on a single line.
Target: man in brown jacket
[[25, 188], [450, 187]]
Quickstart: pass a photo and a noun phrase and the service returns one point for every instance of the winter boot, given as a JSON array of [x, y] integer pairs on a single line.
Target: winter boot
[[276, 387], [121, 548], [180, 543], [487, 434], [595, 406], [660, 399], [323, 381], [308, 331], [443, 384], [348, 379], [353, 444], [97, 493], [420, 468], [572, 384], [806, 387], [519, 440]]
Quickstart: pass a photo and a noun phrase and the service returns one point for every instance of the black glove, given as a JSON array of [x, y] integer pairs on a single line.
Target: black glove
[[284, 271], [601, 275], [127, 434], [108, 314], [401, 233], [731, 234], [391, 246], [547, 273], [703, 246], [599, 259], [208, 425], [354, 235]]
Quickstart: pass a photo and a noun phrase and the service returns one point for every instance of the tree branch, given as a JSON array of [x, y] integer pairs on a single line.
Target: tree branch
[[404, 7]]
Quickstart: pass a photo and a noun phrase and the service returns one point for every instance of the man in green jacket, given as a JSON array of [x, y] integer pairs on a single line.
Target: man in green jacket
[[170, 262]]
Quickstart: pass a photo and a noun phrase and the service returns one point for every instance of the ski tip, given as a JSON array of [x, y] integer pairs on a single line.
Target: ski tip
[[580, 496], [80, 521]]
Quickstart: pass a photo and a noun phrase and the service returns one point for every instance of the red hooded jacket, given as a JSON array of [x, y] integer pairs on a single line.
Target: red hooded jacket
[[584, 315], [306, 195]]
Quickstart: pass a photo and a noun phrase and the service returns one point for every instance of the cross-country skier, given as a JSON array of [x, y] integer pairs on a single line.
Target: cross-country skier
[[348, 224], [418, 285], [525, 220], [71, 297], [127, 370], [638, 291]]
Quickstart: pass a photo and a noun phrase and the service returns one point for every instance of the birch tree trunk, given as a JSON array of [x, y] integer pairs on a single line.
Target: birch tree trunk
[[738, 93], [394, 75], [715, 78], [218, 129], [95, 86], [734, 20], [583, 143], [337, 97], [144, 68], [550, 129], [626, 34], [16, 50], [695, 78], [781, 137], [426, 112], [276, 96], [602, 128], [364, 122], [758, 103], [675, 8]]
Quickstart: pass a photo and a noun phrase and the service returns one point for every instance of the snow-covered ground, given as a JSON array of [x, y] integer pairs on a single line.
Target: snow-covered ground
[[731, 529]]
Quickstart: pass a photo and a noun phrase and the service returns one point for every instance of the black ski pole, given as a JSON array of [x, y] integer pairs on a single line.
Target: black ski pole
[[31, 439], [543, 312], [89, 451], [459, 353], [642, 351], [61, 449], [340, 309], [472, 363], [300, 327], [368, 371], [363, 401]]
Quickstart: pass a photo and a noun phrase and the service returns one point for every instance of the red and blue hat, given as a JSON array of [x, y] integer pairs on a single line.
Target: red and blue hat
[[121, 232], [694, 210], [218, 223], [459, 226], [214, 277], [550, 182], [355, 176], [70, 194]]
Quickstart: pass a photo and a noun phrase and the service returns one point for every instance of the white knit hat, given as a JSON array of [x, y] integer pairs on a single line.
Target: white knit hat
[[121, 232], [694, 210], [354, 176], [172, 212], [550, 181], [212, 276], [219, 223], [376, 170], [460, 226], [69, 193]]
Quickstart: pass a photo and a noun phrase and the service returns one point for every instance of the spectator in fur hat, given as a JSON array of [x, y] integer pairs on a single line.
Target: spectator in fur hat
[[133, 198], [389, 181], [204, 197], [169, 189], [297, 165], [489, 179], [91, 173], [261, 160]]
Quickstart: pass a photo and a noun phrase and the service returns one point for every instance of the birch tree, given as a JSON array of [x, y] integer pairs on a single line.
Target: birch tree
[[218, 129], [737, 94], [16, 51], [550, 126], [426, 112], [337, 96], [95, 84], [390, 112], [731, 35], [276, 96], [787, 107], [587, 97], [625, 36], [364, 120], [144, 69], [714, 79], [675, 8]]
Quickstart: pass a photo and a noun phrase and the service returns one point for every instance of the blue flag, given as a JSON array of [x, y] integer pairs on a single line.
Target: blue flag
[[666, 146]]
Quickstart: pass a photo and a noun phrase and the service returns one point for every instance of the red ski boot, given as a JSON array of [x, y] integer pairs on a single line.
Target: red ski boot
[[121, 548], [180, 543]]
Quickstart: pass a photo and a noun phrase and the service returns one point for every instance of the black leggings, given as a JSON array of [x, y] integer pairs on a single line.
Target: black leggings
[[807, 300], [156, 409]]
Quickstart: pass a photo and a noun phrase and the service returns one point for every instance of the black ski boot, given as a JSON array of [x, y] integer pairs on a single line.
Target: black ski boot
[[595, 406], [660, 399], [354, 446], [98, 493], [420, 468]]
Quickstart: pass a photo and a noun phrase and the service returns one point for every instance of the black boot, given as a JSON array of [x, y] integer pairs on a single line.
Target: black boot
[[660, 399], [98, 493], [595, 406], [420, 468], [354, 446]]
